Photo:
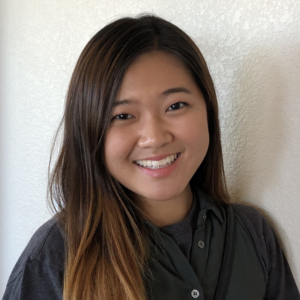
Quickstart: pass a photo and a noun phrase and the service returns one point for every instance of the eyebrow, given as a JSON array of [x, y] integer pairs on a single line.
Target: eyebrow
[[176, 90], [165, 93]]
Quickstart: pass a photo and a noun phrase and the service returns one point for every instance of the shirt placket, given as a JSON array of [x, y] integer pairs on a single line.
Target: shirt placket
[[200, 246], [184, 270]]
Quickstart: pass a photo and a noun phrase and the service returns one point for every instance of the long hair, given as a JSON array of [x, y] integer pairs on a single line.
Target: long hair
[[106, 239]]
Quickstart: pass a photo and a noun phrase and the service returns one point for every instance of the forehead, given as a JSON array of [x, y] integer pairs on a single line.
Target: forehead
[[154, 72]]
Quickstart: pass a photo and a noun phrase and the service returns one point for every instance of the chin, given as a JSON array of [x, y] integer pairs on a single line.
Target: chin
[[162, 194]]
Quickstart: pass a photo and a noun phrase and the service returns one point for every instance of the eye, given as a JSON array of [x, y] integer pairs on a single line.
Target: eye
[[122, 116], [177, 106]]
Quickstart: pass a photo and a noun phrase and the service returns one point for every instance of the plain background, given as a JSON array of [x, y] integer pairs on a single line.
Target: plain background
[[253, 51]]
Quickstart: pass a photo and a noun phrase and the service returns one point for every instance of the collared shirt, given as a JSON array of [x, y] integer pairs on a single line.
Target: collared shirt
[[260, 270], [174, 277]]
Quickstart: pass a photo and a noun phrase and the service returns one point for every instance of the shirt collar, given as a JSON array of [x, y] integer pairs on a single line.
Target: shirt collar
[[206, 203]]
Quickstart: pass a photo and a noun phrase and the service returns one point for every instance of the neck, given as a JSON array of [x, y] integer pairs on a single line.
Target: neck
[[170, 211]]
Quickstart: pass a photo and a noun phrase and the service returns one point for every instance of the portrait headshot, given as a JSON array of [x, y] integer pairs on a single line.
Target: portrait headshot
[[150, 150]]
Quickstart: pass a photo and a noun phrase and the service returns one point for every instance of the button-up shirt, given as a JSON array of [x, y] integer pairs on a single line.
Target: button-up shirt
[[176, 278], [259, 271]]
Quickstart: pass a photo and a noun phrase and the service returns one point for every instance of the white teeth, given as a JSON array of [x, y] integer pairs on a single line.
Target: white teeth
[[162, 162], [155, 164]]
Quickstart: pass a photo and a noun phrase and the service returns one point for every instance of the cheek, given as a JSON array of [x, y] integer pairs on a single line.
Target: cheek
[[202, 135], [195, 134], [117, 146]]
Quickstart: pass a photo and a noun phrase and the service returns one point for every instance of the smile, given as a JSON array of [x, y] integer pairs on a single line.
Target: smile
[[158, 164]]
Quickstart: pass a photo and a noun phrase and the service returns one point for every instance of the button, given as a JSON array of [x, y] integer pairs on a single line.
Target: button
[[201, 244], [195, 294], [204, 217]]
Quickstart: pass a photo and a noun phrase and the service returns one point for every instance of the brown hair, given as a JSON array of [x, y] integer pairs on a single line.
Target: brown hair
[[106, 239]]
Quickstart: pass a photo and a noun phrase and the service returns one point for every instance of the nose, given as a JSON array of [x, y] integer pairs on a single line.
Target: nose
[[154, 133]]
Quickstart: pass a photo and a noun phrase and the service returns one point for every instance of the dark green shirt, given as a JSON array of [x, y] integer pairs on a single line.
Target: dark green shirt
[[260, 270], [174, 277]]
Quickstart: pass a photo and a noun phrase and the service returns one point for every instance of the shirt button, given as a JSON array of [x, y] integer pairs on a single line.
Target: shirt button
[[201, 244], [195, 294], [204, 217]]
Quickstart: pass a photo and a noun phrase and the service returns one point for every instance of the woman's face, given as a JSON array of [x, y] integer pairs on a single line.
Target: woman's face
[[159, 113]]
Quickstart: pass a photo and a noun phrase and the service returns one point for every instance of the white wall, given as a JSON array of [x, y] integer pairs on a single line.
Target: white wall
[[253, 51]]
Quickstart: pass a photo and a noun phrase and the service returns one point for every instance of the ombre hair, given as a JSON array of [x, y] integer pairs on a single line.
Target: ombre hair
[[106, 238]]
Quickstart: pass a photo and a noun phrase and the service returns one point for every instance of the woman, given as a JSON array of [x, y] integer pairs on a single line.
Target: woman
[[139, 189]]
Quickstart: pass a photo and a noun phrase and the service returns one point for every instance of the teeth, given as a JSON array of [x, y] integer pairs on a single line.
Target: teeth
[[154, 164], [162, 162]]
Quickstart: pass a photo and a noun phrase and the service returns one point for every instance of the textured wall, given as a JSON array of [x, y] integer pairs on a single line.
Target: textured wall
[[253, 51]]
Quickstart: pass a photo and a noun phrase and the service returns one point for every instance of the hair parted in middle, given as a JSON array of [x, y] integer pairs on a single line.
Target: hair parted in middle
[[107, 242]]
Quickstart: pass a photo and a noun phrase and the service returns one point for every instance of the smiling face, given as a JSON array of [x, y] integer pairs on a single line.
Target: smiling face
[[159, 112]]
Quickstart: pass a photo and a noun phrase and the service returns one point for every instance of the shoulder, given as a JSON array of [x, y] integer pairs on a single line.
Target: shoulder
[[259, 229], [249, 212], [258, 226], [254, 221], [43, 256], [280, 281]]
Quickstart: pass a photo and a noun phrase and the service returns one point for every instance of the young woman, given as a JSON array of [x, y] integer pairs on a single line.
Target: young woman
[[142, 206]]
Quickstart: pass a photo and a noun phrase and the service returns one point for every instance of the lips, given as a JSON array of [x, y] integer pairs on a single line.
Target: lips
[[160, 172], [158, 157], [155, 164]]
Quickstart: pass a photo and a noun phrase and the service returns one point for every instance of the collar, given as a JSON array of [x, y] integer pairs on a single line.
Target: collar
[[206, 203]]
